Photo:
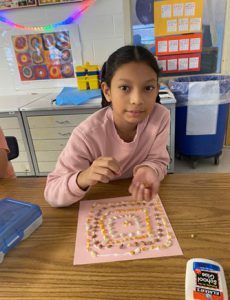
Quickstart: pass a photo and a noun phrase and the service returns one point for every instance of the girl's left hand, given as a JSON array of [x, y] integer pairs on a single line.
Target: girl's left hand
[[145, 184]]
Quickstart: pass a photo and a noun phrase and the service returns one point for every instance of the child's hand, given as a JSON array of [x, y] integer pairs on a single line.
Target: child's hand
[[103, 169], [145, 184]]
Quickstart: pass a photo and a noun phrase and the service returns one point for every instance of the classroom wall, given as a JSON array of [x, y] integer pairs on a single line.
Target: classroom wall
[[102, 29], [98, 33]]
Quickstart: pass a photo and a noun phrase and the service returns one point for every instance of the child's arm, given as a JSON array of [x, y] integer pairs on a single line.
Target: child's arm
[[3, 154], [3, 162], [147, 175], [76, 170]]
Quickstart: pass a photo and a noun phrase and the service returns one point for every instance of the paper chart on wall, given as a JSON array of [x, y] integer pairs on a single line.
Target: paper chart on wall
[[118, 229]]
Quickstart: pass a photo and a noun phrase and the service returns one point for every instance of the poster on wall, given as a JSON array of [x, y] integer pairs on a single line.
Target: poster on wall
[[44, 56], [178, 34], [10, 4], [50, 2], [172, 18], [186, 43], [180, 63]]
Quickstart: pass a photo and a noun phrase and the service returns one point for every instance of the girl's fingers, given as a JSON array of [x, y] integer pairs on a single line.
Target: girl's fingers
[[147, 194], [140, 192], [109, 163]]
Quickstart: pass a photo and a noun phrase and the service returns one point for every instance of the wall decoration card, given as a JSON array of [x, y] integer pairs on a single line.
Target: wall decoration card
[[179, 44], [180, 63], [12, 4], [44, 56], [51, 2], [118, 229]]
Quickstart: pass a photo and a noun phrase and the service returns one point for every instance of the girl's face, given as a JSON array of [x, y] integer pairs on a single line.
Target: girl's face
[[133, 92]]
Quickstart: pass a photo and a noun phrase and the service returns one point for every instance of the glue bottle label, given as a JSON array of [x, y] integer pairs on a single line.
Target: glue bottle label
[[207, 282]]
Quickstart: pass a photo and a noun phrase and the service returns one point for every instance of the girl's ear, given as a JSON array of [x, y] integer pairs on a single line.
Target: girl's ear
[[106, 91]]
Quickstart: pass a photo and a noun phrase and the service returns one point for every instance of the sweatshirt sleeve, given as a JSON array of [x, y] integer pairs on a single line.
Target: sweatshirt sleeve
[[61, 187], [3, 143], [158, 157]]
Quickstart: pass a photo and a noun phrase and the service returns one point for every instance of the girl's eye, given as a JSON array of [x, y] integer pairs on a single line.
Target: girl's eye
[[149, 88], [124, 88]]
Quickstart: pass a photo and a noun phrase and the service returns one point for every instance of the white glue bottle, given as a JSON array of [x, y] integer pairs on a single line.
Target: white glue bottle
[[205, 280]]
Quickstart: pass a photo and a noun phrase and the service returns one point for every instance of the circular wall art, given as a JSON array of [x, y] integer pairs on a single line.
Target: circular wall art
[[23, 59], [67, 70], [37, 57], [144, 11], [41, 72], [54, 72], [20, 43], [26, 73]]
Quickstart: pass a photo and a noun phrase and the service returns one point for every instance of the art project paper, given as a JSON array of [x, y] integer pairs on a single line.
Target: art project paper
[[120, 229]]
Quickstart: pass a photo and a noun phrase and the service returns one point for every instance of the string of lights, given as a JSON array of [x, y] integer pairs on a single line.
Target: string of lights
[[69, 20]]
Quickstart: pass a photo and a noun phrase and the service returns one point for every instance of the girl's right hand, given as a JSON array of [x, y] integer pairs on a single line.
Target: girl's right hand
[[103, 169]]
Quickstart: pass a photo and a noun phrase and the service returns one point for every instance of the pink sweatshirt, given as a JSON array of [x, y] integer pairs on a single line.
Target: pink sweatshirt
[[97, 136], [9, 173]]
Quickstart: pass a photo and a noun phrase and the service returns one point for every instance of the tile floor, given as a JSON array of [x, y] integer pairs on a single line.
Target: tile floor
[[205, 165]]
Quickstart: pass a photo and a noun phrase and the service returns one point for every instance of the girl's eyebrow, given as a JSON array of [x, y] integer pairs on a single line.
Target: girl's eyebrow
[[151, 80], [146, 81]]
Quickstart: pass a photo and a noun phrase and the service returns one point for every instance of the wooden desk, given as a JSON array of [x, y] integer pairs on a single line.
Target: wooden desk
[[41, 267]]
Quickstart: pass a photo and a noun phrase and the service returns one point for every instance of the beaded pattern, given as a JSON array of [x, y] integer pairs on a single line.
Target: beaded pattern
[[127, 228]]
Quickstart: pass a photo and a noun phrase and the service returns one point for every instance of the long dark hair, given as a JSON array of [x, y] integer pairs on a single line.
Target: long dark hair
[[125, 55]]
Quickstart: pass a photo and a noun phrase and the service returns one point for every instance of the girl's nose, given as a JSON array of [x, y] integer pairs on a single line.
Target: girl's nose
[[136, 98]]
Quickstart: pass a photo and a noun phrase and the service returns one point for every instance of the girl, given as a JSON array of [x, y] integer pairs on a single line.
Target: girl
[[6, 168], [126, 138]]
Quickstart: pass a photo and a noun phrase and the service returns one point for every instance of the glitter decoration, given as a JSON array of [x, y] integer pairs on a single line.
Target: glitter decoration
[[123, 230], [135, 227]]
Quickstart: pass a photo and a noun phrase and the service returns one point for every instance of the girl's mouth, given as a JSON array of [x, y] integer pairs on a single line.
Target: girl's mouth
[[135, 113]]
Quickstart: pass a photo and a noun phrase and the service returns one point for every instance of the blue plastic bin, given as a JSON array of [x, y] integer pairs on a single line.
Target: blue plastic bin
[[197, 146]]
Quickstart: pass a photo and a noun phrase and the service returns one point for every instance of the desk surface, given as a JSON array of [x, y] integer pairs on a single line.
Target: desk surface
[[41, 267]]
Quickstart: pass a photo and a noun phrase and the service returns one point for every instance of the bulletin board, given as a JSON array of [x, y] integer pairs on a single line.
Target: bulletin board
[[180, 63], [190, 43], [177, 17], [181, 28]]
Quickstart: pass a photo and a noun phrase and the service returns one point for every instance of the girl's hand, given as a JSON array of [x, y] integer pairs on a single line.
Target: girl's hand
[[145, 184], [103, 169]]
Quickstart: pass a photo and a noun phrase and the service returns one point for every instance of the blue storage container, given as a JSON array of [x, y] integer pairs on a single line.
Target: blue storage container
[[201, 115], [18, 219]]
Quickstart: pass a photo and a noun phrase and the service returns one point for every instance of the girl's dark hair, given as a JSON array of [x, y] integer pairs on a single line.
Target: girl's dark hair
[[125, 55]]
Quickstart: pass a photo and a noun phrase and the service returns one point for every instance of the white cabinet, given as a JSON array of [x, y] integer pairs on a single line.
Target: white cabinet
[[12, 125], [48, 131]]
